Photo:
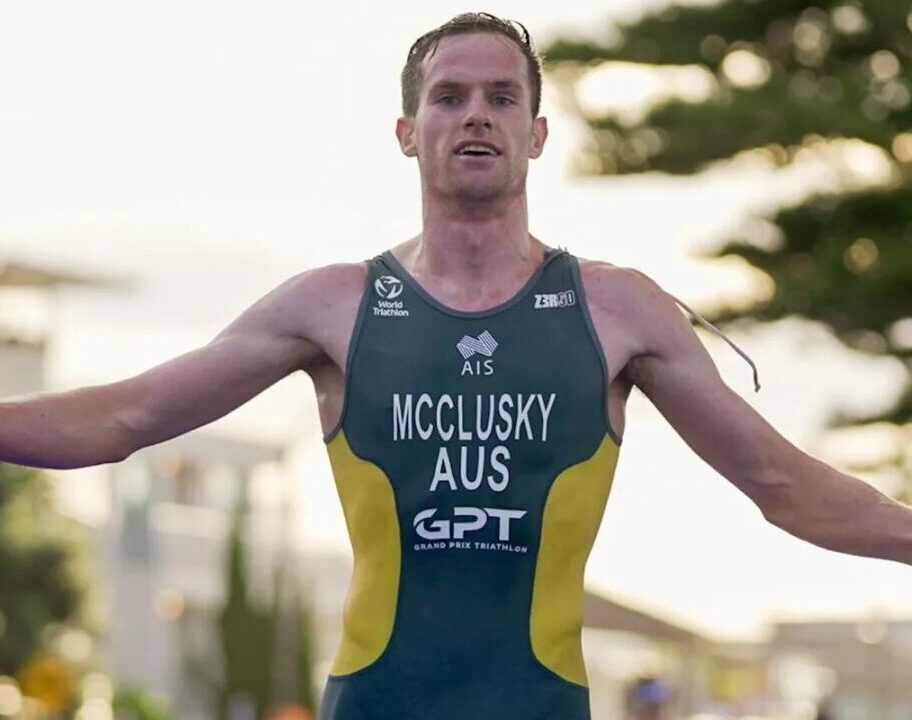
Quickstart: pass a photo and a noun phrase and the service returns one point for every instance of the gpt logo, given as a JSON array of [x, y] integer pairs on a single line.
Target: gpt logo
[[483, 345], [472, 519], [388, 287]]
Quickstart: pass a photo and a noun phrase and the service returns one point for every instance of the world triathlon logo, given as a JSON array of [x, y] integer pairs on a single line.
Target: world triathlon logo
[[483, 345], [388, 287]]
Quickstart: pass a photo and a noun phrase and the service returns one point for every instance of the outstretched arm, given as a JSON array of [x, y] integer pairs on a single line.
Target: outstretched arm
[[794, 491], [107, 423]]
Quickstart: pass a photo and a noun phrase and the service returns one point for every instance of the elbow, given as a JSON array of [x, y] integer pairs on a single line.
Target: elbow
[[775, 496], [814, 502], [781, 509], [123, 449], [776, 514], [131, 431], [119, 456], [121, 444], [787, 486], [773, 490]]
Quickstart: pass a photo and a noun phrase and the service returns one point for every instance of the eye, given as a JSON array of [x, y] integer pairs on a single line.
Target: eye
[[504, 97], [446, 97]]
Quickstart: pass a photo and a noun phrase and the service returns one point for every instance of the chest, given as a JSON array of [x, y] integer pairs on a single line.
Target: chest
[[536, 349]]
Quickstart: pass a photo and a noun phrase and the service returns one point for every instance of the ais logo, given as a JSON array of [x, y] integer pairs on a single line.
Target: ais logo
[[470, 519], [483, 345]]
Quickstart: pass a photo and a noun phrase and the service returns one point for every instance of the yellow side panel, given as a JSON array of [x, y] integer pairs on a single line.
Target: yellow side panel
[[571, 519], [369, 506]]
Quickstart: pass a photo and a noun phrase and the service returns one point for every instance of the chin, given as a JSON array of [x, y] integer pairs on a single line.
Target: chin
[[480, 196], [481, 191]]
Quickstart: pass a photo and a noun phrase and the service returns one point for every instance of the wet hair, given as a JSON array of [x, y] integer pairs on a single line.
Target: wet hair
[[412, 76]]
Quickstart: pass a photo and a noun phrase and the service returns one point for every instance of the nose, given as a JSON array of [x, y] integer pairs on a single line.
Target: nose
[[477, 112]]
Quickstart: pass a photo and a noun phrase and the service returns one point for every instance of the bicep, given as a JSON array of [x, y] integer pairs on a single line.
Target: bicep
[[253, 352], [677, 374]]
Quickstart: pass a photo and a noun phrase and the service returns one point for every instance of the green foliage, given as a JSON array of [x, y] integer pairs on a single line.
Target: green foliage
[[255, 646], [42, 566], [831, 70], [820, 80], [307, 693], [132, 703], [247, 634]]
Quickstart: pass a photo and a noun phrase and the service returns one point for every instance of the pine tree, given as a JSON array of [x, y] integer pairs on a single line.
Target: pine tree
[[789, 77], [306, 642], [293, 685], [267, 650], [247, 632]]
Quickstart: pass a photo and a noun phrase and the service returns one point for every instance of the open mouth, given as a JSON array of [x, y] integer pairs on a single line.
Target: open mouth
[[477, 151]]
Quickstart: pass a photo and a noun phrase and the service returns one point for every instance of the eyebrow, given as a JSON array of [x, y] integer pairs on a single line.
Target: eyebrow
[[505, 83]]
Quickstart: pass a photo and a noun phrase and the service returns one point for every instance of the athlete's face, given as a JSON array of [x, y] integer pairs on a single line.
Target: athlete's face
[[475, 88]]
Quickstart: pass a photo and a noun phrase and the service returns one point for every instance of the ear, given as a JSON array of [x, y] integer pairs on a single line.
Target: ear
[[405, 131], [539, 134]]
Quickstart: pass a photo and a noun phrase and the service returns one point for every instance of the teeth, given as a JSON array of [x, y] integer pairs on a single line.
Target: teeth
[[477, 148]]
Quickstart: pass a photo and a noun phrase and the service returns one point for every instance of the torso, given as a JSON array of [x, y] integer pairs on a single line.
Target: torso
[[409, 479], [616, 338]]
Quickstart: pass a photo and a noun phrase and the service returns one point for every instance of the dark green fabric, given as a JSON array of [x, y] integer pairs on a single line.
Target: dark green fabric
[[460, 648]]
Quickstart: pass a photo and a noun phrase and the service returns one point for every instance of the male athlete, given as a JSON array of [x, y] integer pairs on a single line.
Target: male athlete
[[471, 384]]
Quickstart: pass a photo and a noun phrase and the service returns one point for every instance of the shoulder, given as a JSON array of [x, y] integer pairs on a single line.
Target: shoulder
[[602, 280], [331, 281], [624, 291], [325, 288], [650, 317], [312, 301]]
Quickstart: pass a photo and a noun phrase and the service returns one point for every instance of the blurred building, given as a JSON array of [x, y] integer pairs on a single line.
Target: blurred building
[[863, 667], [28, 307], [859, 668], [162, 550]]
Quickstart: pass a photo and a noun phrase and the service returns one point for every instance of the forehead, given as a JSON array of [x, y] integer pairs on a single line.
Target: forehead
[[473, 57]]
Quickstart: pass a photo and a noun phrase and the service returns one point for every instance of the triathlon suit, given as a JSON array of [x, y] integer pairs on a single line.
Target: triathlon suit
[[473, 460]]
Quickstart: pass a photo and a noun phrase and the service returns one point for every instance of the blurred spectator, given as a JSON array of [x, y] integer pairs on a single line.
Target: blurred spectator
[[290, 712], [648, 699]]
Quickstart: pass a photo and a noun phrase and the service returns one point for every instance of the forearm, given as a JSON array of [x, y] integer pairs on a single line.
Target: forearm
[[842, 513], [60, 430]]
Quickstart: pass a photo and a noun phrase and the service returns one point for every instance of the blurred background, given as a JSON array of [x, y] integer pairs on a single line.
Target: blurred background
[[162, 166]]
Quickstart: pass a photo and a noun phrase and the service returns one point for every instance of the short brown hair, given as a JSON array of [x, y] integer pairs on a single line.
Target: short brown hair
[[413, 75]]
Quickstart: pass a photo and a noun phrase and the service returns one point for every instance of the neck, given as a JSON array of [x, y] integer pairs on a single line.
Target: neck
[[472, 243]]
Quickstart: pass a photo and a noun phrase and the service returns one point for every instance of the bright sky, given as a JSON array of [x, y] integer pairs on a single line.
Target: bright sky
[[211, 150]]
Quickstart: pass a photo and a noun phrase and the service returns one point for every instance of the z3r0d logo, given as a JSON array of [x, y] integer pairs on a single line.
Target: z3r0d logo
[[388, 287], [567, 298]]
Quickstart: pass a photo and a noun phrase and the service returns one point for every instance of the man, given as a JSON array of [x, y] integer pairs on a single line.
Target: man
[[471, 384]]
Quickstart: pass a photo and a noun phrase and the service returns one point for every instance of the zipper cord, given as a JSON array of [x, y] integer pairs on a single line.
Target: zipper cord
[[709, 326]]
